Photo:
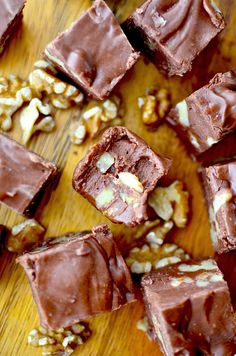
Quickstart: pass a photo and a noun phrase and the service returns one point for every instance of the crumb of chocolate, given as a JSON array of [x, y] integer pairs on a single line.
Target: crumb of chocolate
[[36, 117], [14, 92], [25, 236], [171, 202], [154, 107], [62, 341]]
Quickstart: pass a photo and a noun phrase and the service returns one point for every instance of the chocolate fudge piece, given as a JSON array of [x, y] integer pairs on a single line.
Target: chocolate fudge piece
[[172, 32], [208, 115], [77, 276], [190, 309], [220, 188], [24, 176], [94, 52], [11, 14], [3, 234], [118, 174]]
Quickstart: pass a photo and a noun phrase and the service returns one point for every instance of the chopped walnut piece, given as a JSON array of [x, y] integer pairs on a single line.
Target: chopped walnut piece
[[31, 120], [77, 133], [62, 341], [154, 107], [14, 92], [96, 116], [60, 94], [25, 236], [155, 253], [143, 324], [171, 203]]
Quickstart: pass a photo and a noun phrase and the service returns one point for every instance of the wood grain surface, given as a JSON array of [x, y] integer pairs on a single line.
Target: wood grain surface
[[113, 334]]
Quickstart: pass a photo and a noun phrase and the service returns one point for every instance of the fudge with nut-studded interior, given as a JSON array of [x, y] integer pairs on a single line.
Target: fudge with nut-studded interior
[[94, 52], [208, 115], [172, 33], [220, 188], [118, 174], [77, 276], [25, 177], [189, 307], [11, 14]]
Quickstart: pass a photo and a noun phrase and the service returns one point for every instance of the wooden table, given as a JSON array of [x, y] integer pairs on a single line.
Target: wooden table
[[116, 333]]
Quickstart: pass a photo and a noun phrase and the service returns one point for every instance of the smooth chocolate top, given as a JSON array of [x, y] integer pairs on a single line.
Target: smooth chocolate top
[[9, 9], [208, 114], [220, 186], [23, 174], [123, 202], [190, 308], [94, 52], [180, 29], [76, 277]]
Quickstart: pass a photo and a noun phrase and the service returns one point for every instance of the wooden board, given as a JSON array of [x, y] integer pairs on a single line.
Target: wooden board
[[113, 334]]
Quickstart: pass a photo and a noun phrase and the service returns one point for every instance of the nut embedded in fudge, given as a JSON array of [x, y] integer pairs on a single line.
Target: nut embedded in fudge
[[189, 307], [208, 115], [172, 33], [220, 189], [77, 276], [25, 177], [94, 52], [118, 174], [10, 19]]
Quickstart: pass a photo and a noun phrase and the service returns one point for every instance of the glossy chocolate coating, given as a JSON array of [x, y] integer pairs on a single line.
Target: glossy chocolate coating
[[78, 276], [130, 154], [172, 32], [209, 114], [220, 187], [189, 306], [94, 52], [24, 176], [10, 19]]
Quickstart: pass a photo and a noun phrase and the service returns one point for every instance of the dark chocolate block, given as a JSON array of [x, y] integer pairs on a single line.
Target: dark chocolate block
[[77, 276], [94, 52], [24, 176], [173, 32], [220, 188], [190, 309], [118, 174], [10, 19], [3, 234], [208, 115]]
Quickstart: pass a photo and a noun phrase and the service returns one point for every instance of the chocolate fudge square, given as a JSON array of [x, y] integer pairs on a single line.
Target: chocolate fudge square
[[190, 309], [208, 115], [94, 52], [118, 174], [173, 32], [220, 187], [25, 177], [77, 276], [11, 14]]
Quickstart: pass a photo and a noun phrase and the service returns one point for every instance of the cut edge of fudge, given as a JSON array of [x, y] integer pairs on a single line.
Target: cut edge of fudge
[[222, 242], [44, 189], [85, 79], [161, 281], [146, 39], [12, 27], [111, 136], [120, 293]]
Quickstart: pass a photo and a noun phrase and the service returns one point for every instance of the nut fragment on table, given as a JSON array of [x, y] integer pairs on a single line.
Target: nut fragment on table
[[60, 94], [171, 203], [14, 92], [31, 119], [155, 253], [95, 117], [25, 236], [62, 341], [154, 107]]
